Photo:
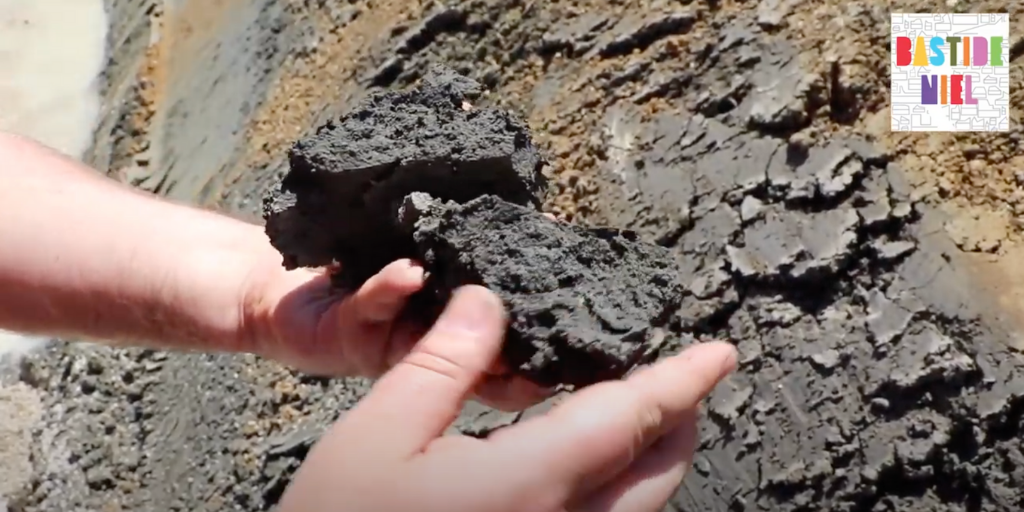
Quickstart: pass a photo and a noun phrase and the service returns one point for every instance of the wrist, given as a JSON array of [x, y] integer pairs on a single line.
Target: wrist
[[276, 314], [147, 271], [218, 283], [256, 330]]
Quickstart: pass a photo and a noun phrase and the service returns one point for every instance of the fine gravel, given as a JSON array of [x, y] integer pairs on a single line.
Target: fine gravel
[[875, 374]]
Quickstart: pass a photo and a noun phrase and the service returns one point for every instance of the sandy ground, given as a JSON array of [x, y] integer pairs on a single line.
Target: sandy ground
[[52, 53], [205, 96], [977, 178]]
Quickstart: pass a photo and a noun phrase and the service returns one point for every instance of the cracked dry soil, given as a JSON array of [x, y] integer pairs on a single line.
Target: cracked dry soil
[[749, 139]]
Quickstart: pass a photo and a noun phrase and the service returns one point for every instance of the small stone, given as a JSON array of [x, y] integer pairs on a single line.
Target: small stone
[[971, 151], [890, 250], [828, 359], [751, 208], [702, 466]]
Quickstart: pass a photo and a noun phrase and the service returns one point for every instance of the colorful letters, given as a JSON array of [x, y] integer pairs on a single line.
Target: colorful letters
[[987, 51], [962, 51]]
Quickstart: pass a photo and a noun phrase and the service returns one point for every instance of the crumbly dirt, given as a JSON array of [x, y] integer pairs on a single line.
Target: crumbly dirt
[[867, 278], [585, 305], [339, 200]]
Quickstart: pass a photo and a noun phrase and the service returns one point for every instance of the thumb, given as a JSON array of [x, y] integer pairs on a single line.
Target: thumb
[[600, 431], [419, 398]]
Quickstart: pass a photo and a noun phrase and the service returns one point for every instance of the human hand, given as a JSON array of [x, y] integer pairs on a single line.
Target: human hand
[[296, 318], [621, 446]]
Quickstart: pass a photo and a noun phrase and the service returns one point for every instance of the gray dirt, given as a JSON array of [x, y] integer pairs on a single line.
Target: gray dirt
[[874, 375], [584, 304], [338, 201]]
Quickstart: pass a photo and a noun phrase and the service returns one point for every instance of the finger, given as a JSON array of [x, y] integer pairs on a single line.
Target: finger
[[597, 433], [498, 382], [499, 389], [651, 481], [414, 402], [510, 393], [381, 298], [405, 333], [363, 321]]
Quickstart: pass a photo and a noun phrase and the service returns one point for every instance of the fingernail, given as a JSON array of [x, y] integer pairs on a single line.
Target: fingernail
[[417, 273], [472, 309], [412, 267]]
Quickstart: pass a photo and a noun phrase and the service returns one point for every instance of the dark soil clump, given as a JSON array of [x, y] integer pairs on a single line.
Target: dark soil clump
[[584, 305], [338, 202], [424, 175]]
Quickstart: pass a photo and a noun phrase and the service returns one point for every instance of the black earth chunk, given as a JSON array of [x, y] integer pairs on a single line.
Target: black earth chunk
[[585, 304], [338, 201]]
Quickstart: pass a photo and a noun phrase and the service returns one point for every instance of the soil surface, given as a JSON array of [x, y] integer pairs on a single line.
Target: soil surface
[[871, 280]]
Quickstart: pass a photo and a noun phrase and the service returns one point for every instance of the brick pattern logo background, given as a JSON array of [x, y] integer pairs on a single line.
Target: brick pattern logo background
[[983, 105]]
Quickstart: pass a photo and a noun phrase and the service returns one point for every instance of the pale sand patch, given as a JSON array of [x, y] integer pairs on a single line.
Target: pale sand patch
[[20, 409], [51, 54], [14, 345], [1002, 277]]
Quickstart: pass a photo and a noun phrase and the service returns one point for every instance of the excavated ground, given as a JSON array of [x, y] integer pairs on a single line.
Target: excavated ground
[[867, 277]]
